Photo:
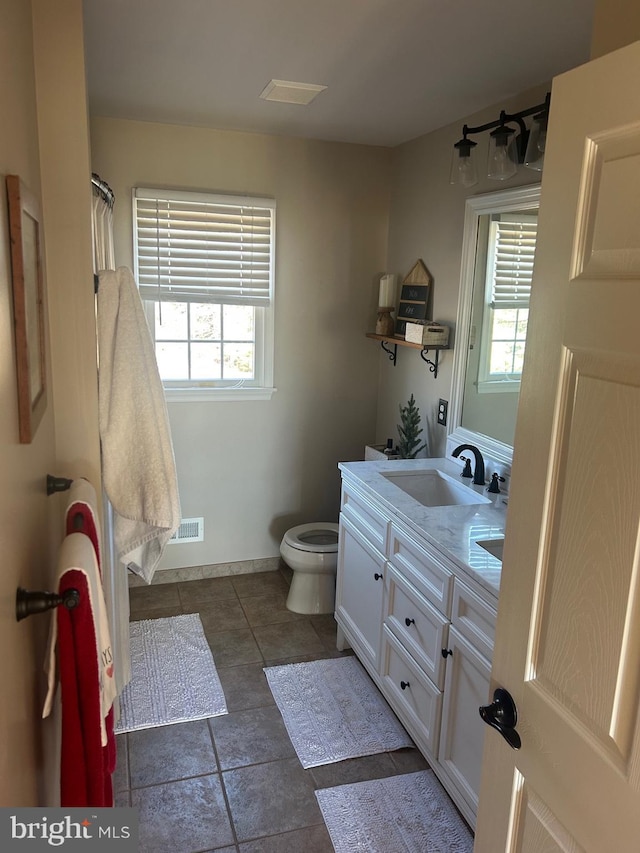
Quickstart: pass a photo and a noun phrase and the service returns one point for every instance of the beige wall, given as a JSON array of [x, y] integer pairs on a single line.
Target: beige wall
[[615, 24], [253, 469], [426, 221]]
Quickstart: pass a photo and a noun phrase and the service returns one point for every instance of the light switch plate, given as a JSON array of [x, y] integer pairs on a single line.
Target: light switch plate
[[443, 406]]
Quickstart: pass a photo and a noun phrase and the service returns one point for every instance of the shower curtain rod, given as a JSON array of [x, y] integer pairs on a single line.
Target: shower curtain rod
[[103, 189]]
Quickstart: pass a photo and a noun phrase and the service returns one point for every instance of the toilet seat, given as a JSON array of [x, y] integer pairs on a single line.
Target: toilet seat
[[319, 538]]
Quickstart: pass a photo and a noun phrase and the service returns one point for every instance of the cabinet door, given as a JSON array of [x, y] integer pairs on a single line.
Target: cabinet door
[[462, 733], [359, 591]]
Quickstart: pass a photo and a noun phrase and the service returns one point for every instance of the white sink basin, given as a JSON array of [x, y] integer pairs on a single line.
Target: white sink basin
[[433, 488], [493, 546]]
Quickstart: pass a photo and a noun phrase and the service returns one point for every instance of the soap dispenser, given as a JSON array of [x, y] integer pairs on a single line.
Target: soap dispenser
[[389, 452]]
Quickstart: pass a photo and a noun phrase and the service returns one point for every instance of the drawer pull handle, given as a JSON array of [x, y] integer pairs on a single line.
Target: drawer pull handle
[[377, 576], [404, 685], [446, 653], [408, 621]]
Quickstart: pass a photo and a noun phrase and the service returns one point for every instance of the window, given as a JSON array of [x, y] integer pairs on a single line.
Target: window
[[205, 269], [512, 244]]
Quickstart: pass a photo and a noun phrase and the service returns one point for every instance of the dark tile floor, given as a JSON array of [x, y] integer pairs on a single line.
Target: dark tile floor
[[233, 783]]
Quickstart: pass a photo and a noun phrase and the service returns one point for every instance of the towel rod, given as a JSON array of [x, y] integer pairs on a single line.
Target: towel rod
[[57, 484], [28, 603]]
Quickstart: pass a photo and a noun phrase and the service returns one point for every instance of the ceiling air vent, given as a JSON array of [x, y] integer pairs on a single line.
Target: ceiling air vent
[[289, 92], [190, 530]]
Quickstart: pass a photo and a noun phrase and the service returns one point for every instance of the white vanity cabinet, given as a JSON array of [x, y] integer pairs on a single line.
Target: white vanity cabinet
[[424, 631]]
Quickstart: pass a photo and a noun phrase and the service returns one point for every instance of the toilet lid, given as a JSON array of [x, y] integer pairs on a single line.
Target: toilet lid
[[320, 538]]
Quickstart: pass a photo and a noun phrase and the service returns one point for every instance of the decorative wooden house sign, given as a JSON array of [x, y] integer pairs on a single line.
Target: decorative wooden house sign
[[414, 297]]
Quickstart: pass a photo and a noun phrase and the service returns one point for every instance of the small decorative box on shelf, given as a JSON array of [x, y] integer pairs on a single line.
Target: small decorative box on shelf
[[427, 334]]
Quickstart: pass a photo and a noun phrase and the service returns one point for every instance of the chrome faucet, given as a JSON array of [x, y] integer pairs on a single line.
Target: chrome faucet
[[478, 472]]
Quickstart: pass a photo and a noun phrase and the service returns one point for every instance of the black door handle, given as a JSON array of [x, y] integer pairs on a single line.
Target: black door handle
[[502, 715]]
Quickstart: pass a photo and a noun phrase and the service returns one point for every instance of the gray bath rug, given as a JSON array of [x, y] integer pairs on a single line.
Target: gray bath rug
[[173, 676], [333, 711], [407, 814]]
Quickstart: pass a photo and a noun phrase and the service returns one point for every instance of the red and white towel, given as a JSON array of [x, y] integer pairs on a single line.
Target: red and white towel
[[85, 667]]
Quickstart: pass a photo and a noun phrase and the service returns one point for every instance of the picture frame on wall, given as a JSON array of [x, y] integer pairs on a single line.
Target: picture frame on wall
[[28, 305]]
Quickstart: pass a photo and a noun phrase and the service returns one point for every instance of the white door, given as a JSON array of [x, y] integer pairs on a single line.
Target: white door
[[568, 633]]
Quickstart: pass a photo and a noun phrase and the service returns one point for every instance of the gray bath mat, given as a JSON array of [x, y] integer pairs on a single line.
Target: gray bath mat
[[407, 814], [333, 711], [173, 676]]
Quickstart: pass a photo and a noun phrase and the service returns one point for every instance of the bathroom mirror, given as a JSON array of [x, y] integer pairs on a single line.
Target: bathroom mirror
[[497, 261]]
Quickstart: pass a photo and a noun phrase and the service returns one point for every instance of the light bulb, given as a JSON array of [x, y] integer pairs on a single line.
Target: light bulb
[[534, 156], [502, 162], [467, 172], [463, 164]]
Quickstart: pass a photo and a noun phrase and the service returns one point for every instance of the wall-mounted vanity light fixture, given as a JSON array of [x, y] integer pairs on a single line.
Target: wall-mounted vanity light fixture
[[508, 146]]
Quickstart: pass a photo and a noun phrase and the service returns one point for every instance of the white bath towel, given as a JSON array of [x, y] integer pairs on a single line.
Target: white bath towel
[[138, 465]]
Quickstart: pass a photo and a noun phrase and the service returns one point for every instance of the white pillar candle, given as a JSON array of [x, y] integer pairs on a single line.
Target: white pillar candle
[[387, 296]]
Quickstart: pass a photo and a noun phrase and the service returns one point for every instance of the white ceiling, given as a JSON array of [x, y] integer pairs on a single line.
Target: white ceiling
[[394, 69]]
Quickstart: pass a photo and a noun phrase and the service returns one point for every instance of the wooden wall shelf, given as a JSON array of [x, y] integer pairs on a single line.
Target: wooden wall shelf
[[384, 341]]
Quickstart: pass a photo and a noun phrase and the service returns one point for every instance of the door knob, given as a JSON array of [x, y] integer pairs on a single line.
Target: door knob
[[502, 715]]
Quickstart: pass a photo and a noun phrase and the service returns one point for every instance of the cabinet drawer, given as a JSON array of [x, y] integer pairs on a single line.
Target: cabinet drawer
[[421, 628], [422, 566], [419, 702], [473, 618], [369, 521]]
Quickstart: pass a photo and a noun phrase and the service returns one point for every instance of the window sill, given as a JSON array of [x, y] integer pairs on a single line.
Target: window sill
[[498, 386], [221, 395]]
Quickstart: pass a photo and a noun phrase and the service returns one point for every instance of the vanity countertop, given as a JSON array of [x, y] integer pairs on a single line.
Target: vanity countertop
[[453, 530]]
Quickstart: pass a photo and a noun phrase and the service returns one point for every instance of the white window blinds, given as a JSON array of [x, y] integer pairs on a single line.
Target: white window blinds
[[513, 240], [196, 247]]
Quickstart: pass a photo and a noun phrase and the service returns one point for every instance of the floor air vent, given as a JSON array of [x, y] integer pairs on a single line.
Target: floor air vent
[[190, 530]]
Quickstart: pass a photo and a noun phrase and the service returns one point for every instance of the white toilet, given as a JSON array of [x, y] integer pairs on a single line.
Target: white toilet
[[311, 551]]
